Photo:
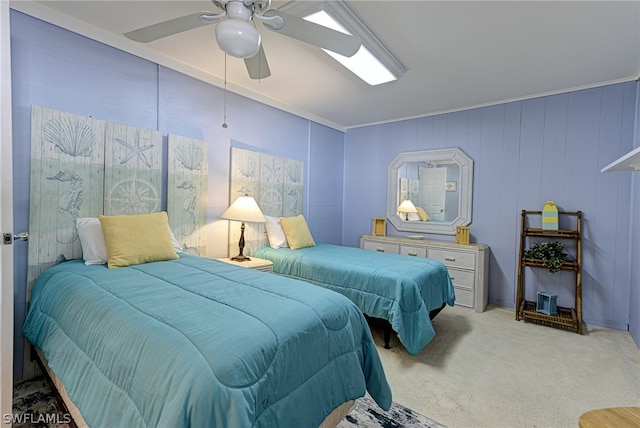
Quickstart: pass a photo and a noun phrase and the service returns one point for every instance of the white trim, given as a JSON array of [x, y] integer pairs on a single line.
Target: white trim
[[505, 101], [6, 220]]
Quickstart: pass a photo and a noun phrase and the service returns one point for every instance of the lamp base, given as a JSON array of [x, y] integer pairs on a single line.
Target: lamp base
[[240, 258]]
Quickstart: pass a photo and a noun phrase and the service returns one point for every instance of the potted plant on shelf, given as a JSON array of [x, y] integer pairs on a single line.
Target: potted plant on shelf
[[551, 253]]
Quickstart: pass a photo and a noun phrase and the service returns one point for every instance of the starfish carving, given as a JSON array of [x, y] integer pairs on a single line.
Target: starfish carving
[[135, 150]]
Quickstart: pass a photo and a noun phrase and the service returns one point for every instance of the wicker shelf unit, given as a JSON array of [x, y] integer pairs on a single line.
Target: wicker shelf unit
[[566, 318]]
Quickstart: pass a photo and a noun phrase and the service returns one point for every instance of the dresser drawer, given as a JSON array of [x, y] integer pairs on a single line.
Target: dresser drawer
[[467, 264], [454, 258], [382, 247], [411, 250], [463, 278], [464, 297]]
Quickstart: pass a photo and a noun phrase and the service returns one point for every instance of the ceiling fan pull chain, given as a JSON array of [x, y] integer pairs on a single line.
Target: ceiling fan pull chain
[[224, 123]]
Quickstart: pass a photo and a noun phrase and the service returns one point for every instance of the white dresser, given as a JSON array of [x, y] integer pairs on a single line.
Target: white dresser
[[468, 264]]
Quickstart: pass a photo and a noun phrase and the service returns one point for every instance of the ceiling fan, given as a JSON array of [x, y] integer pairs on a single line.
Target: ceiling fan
[[238, 37]]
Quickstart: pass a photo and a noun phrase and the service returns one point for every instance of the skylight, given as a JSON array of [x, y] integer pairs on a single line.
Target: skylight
[[363, 64]]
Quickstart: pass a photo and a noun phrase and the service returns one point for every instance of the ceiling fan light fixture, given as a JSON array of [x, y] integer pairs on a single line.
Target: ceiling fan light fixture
[[363, 64], [238, 38], [373, 63]]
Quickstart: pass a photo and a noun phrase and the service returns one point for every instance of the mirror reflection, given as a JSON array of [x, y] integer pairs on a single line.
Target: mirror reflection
[[432, 187], [430, 191]]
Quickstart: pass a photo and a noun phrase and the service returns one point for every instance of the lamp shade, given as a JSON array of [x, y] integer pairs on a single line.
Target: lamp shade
[[244, 209], [407, 207], [238, 38]]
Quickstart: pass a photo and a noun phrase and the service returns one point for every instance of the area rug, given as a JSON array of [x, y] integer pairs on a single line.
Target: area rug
[[35, 406], [367, 414]]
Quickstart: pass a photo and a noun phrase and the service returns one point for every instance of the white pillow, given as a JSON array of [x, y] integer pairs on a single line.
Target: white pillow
[[174, 242], [94, 250], [275, 233]]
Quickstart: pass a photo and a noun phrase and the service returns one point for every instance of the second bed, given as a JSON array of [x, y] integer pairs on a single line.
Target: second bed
[[406, 291]]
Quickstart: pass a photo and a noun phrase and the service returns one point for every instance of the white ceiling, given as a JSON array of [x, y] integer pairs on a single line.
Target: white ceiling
[[459, 54]]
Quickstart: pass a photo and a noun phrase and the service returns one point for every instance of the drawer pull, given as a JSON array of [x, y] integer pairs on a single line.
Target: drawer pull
[[450, 259], [380, 250], [412, 254]]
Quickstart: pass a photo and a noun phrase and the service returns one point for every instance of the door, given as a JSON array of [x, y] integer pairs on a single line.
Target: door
[[433, 191], [6, 220]]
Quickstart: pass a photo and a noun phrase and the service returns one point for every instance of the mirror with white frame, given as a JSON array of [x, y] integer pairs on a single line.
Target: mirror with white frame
[[439, 184]]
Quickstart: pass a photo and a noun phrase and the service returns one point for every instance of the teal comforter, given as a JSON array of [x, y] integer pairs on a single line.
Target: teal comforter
[[394, 287], [195, 342]]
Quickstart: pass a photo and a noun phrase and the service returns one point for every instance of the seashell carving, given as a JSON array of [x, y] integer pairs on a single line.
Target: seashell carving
[[69, 201], [71, 136], [190, 155], [189, 205], [271, 171], [294, 172], [249, 170]]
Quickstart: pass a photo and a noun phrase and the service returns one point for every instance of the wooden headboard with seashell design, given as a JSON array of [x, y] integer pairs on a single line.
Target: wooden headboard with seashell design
[[276, 183], [84, 167]]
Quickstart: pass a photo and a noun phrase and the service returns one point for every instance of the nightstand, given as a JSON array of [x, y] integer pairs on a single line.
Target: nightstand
[[255, 263]]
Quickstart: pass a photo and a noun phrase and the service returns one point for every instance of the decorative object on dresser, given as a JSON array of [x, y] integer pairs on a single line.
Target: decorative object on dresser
[[462, 235], [255, 263], [244, 209], [468, 265], [379, 226], [550, 255]]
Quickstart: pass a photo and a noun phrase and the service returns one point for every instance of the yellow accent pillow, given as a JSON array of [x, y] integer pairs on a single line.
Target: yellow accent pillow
[[135, 239], [422, 214], [297, 232]]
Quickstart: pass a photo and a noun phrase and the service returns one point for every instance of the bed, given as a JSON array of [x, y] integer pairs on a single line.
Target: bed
[[405, 291], [137, 335], [197, 342]]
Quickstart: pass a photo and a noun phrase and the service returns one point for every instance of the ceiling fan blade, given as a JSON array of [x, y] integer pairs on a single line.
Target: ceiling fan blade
[[312, 33], [173, 26], [257, 65]]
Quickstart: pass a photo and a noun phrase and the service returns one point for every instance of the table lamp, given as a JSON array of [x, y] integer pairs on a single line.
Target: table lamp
[[246, 210], [407, 207]]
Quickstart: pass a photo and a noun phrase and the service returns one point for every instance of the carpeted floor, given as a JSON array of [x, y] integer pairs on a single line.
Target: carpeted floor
[[35, 406]]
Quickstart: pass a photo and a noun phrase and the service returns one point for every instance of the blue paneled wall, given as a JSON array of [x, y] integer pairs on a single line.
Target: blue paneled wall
[[525, 153], [58, 69]]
